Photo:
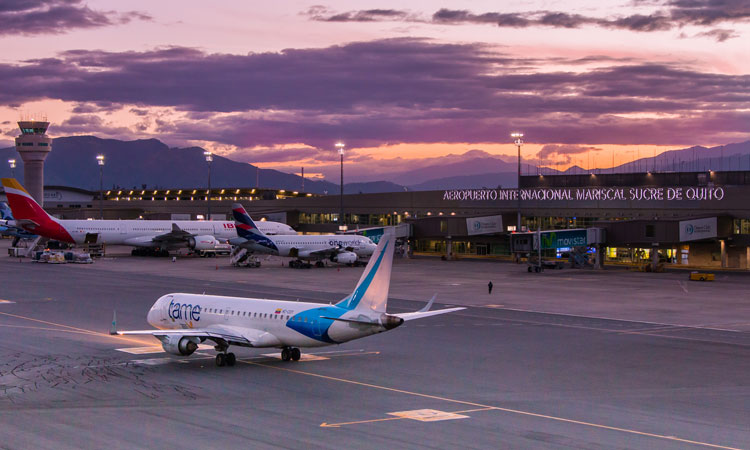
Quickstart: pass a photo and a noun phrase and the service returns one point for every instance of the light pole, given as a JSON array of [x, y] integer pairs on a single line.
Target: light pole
[[342, 221], [12, 163], [100, 161], [518, 136], [209, 157]]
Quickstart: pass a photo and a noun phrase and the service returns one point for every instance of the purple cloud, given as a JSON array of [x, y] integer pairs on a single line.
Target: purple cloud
[[390, 91], [33, 17], [675, 14]]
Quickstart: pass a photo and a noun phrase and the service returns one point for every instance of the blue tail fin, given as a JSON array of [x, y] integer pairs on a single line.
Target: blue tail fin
[[247, 229], [371, 293]]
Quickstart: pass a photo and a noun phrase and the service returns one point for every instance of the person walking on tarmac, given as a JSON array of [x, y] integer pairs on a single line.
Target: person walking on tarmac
[[489, 287]]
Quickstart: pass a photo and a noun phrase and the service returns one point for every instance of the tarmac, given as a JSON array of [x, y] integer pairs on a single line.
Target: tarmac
[[562, 359]]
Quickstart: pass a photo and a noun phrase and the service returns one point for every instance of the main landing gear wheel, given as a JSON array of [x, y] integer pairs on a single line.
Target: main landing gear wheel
[[319, 264], [225, 359], [296, 354], [286, 355]]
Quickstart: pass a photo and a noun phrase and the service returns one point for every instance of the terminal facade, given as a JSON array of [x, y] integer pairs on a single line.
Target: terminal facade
[[691, 218]]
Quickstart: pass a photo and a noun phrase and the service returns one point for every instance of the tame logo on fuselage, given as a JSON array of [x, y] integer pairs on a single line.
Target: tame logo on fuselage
[[184, 311]]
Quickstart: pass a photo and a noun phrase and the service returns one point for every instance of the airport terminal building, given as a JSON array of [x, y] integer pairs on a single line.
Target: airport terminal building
[[691, 218]]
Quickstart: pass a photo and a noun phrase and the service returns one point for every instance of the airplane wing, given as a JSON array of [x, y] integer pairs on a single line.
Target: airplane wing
[[176, 235], [245, 337]]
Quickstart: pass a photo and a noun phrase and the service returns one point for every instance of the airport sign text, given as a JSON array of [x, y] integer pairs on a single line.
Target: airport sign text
[[588, 194]]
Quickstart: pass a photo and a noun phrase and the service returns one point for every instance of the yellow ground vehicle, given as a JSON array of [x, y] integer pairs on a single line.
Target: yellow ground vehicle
[[700, 276]]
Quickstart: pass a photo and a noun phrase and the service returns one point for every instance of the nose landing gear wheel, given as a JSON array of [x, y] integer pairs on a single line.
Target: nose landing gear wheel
[[296, 354], [286, 355]]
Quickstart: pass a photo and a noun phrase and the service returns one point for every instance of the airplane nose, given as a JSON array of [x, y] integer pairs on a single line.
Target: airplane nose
[[151, 317]]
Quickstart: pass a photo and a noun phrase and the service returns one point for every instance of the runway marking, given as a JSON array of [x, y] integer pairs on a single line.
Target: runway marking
[[400, 417], [303, 357], [606, 330], [493, 306], [428, 415], [488, 407], [80, 330], [6, 301], [684, 288], [613, 319], [154, 349]]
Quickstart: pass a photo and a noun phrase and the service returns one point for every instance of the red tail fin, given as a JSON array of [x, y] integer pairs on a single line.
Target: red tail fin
[[30, 215]]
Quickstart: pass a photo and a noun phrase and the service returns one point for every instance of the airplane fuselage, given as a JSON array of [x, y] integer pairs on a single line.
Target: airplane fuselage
[[268, 323], [306, 246], [139, 233]]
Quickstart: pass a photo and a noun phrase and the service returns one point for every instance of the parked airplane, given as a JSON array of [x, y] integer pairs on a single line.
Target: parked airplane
[[186, 320], [8, 224], [345, 249], [162, 235]]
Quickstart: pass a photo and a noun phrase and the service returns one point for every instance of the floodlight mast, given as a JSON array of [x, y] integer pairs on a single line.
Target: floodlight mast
[[518, 136], [100, 162], [342, 222], [209, 157]]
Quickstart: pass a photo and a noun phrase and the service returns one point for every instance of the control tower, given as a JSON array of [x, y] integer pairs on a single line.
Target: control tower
[[33, 145]]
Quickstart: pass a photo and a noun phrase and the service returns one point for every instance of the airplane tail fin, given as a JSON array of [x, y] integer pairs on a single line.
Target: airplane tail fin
[[245, 226], [247, 230], [371, 293], [22, 204]]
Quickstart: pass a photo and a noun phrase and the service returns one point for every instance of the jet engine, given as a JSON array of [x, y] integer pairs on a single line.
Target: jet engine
[[345, 258], [180, 345], [206, 242]]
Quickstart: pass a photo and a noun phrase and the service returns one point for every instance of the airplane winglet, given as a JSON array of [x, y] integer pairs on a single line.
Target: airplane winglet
[[429, 304], [113, 330]]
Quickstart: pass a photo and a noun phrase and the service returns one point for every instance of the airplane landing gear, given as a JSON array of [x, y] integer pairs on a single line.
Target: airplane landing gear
[[290, 353], [225, 359]]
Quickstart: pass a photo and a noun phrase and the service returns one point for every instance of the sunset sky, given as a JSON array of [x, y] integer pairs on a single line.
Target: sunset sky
[[278, 83]]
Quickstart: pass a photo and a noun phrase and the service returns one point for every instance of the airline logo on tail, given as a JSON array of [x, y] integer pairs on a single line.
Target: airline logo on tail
[[30, 215], [247, 229]]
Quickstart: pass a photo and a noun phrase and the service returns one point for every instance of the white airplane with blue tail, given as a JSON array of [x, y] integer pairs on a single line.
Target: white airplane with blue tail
[[184, 321]]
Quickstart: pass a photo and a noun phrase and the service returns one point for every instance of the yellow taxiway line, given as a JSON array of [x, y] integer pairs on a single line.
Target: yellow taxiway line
[[68, 327]]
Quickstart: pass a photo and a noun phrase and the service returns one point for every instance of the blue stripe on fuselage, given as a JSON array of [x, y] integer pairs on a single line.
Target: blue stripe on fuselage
[[311, 324], [353, 300]]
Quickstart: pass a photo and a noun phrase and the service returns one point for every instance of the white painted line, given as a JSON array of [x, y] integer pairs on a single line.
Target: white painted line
[[6, 301], [153, 361], [141, 350], [154, 349], [697, 327], [428, 415]]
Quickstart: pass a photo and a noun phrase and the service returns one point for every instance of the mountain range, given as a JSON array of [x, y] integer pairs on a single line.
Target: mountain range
[[152, 163]]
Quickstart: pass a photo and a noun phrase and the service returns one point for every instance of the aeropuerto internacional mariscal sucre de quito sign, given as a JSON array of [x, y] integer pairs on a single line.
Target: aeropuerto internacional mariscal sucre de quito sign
[[590, 193]]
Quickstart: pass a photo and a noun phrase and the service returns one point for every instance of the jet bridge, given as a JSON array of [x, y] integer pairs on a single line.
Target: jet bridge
[[534, 243]]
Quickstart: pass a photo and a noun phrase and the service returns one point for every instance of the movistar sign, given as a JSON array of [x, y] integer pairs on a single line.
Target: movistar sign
[[564, 238]]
